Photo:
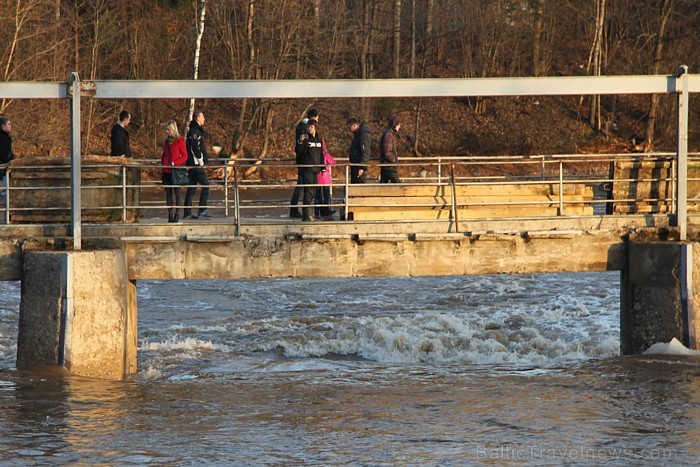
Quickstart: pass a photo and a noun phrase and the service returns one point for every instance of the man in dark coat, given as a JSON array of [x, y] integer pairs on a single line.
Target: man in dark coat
[[310, 159], [311, 115], [359, 153], [196, 159], [120, 137], [388, 153], [6, 154]]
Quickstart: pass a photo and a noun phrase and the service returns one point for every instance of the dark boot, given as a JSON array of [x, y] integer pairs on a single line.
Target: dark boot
[[308, 214], [170, 215], [294, 213], [176, 218]]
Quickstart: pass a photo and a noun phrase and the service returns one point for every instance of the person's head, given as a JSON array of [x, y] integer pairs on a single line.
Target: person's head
[[312, 114], [394, 123], [311, 127], [5, 123], [171, 129], [199, 118], [124, 118], [353, 124]]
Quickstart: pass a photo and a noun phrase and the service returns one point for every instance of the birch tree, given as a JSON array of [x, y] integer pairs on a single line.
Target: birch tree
[[200, 32]]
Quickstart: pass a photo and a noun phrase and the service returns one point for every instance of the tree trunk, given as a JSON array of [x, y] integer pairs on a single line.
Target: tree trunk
[[537, 38], [200, 32], [367, 27], [596, 62], [666, 11], [396, 62], [430, 9]]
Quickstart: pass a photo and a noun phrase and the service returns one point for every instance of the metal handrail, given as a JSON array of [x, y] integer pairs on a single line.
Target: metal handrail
[[559, 170]]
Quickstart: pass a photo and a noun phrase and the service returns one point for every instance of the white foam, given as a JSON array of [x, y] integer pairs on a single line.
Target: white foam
[[672, 348], [186, 344]]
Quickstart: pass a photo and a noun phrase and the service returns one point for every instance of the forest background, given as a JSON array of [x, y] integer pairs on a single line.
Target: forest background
[[46, 40]]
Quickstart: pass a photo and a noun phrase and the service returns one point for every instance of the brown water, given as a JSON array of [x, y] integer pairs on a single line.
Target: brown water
[[495, 370]]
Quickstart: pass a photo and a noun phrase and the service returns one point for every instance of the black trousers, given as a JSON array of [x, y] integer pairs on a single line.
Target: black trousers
[[389, 174], [197, 176], [173, 197], [308, 177]]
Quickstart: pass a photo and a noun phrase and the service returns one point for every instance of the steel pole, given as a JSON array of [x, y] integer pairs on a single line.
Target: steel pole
[[682, 153], [75, 161]]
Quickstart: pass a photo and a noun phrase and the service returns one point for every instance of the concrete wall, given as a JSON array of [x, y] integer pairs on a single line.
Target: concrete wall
[[78, 309], [659, 295], [370, 255]]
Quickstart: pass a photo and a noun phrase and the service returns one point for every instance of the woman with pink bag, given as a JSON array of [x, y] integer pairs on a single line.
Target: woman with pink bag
[[323, 192]]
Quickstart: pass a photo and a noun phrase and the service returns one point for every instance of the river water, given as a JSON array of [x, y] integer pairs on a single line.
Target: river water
[[483, 370]]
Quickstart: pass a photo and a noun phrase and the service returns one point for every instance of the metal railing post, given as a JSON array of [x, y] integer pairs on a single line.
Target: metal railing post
[[75, 178], [561, 188], [682, 152], [236, 202], [225, 192], [7, 197], [124, 194], [346, 196]]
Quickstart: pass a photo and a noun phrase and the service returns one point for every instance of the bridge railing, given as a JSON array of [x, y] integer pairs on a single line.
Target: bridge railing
[[431, 188]]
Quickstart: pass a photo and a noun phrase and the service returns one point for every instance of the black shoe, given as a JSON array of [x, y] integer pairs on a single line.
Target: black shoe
[[190, 216], [204, 214], [294, 213]]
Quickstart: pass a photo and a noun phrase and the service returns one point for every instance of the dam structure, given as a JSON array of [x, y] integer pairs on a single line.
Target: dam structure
[[81, 234]]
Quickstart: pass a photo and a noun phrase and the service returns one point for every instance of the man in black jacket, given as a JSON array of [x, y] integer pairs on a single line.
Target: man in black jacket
[[311, 115], [359, 150], [6, 154], [310, 158], [120, 137], [196, 159]]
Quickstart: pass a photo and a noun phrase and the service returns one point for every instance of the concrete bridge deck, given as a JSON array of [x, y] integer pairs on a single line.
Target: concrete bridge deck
[[217, 249]]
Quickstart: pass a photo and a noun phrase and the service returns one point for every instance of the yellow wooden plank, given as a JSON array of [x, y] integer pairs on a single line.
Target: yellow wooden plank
[[474, 213], [398, 190]]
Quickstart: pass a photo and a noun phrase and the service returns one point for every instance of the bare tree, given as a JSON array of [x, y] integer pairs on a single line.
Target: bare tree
[[202, 9], [666, 11], [595, 61], [396, 40], [537, 31], [21, 14]]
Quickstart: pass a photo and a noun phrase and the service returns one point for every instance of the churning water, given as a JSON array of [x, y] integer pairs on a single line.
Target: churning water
[[506, 369]]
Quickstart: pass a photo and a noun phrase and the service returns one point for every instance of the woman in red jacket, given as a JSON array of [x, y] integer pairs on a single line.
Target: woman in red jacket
[[174, 155]]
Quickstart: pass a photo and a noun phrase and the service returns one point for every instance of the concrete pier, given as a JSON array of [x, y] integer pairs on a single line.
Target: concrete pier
[[78, 310], [659, 295]]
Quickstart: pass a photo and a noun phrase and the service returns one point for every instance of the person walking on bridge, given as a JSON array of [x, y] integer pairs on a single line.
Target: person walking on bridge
[[388, 153], [311, 115], [174, 155], [120, 137], [197, 159], [6, 154], [310, 160], [359, 153]]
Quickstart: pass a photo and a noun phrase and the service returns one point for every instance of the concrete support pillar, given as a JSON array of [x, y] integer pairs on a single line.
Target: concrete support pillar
[[78, 310], [659, 295]]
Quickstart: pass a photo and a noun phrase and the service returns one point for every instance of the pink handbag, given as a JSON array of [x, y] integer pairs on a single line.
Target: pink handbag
[[324, 177]]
